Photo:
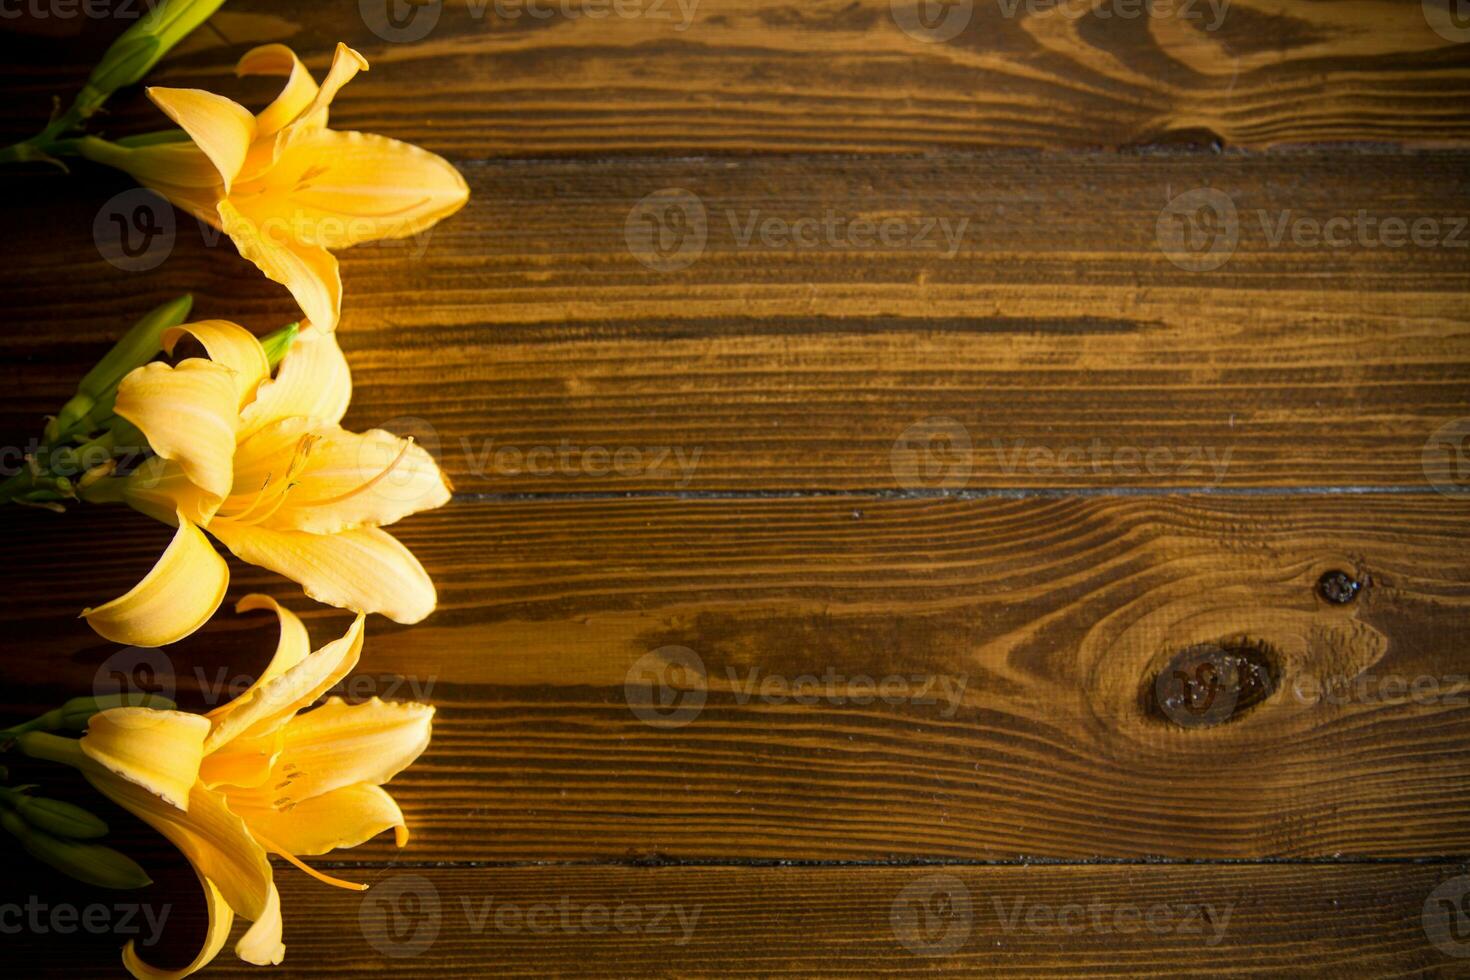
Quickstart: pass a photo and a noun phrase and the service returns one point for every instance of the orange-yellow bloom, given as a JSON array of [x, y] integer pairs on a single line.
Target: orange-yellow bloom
[[256, 777], [264, 466], [284, 187]]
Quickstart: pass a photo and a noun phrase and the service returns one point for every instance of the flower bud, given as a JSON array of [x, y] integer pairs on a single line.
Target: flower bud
[[92, 404], [98, 388], [59, 818], [94, 864], [278, 343], [139, 48]]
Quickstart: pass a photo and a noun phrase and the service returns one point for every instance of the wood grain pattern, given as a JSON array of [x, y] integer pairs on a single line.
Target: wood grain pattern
[[855, 680], [526, 341], [1049, 619], [768, 76], [1123, 922]]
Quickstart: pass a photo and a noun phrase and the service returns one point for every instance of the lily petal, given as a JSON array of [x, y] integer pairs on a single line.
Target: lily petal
[[299, 92], [361, 480], [189, 413], [173, 600], [230, 345], [269, 706], [161, 489], [309, 272], [365, 569], [261, 945], [222, 128], [267, 464], [345, 64], [312, 382], [158, 750], [340, 745], [293, 647], [179, 171], [344, 817], [212, 837], [221, 918], [336, 189], [245, 762]]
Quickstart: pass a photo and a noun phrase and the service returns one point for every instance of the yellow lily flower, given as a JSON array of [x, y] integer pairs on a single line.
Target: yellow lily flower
[[264, 466], [256, 777], [284, 187]]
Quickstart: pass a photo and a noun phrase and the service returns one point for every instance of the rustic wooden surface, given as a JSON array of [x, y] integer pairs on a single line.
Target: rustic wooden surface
[[491, 79], [1055, 921], [1021, 477], [1056, 322]]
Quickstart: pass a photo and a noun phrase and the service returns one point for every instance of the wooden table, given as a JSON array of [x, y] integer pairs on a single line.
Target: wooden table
[[873, 446]]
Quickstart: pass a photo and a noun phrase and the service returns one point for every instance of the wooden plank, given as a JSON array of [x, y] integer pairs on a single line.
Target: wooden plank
[[1020, 641], [1049, 921], [1059, 346], [687, 77]]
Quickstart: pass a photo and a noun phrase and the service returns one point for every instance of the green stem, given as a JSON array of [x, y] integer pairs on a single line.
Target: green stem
[[48, 722], [106, 491], [98, 150], [15, 484], [52, 748]]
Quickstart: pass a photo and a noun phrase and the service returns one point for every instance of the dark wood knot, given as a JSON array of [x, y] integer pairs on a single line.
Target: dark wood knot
[[1209, 684]]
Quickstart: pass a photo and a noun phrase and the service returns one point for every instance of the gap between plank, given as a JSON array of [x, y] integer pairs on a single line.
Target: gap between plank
[[1346, 148], [1445, 859], [940, 494]]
